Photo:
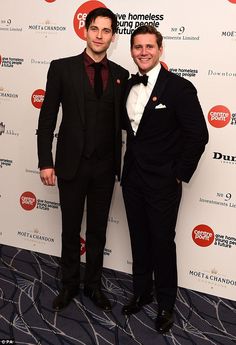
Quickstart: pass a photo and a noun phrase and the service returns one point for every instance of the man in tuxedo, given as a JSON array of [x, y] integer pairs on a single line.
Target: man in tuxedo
[[89, 88], [166, 136]]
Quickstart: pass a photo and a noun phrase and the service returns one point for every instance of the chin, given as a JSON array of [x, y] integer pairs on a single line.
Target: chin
[[143, 70]]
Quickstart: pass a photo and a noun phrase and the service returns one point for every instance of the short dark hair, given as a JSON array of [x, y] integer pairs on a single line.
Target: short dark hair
[[147, 29], [101, 12]]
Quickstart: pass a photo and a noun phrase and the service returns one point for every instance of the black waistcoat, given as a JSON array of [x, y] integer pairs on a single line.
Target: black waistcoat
[[100, 121]]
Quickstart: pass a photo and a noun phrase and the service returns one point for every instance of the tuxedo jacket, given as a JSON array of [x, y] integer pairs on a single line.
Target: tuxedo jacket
[[65, 88], [172, 133]]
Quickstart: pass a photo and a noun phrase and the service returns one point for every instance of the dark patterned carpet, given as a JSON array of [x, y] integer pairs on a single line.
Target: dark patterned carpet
[[29, 281]]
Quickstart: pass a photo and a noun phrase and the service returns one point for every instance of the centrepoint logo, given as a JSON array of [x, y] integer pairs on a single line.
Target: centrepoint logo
[[203, 235], [37, 98], [82, 246], [232, 1], [28, 201], [50, 0], [219, 116], [81, 14]]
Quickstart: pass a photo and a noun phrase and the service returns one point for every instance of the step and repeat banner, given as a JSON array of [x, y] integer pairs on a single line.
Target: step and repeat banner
[[200, 45]]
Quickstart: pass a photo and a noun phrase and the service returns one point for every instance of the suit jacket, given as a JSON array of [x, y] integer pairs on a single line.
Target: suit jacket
[[65, 87], [172, 133]]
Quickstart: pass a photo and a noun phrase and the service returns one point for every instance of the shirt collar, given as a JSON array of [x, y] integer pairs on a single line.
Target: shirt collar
[[88, 60], [153, 74]]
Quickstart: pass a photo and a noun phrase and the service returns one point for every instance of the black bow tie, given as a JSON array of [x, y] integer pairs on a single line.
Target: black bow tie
[[137, 79]]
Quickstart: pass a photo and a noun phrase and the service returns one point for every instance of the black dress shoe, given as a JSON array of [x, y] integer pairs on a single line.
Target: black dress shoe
[[164, 321], [98, 298], [136, 303], [64, 298]]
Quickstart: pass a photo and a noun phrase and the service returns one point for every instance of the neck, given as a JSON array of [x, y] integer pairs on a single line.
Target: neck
[[146, 71], [97, 57]]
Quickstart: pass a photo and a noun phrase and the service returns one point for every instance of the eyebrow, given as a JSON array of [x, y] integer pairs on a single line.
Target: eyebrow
[[143, 45], [96, 27]]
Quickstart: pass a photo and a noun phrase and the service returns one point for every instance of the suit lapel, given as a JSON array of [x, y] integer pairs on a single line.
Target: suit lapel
[[116, 83], [77, 75]]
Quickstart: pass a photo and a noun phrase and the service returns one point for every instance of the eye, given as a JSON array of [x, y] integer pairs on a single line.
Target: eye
[[107, 31], [93, 28]]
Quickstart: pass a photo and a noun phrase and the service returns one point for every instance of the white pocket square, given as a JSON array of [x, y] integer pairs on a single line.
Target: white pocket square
[[160, 106]]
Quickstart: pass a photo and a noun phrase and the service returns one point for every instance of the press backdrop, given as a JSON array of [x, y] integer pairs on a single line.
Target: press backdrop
[[200, 45]]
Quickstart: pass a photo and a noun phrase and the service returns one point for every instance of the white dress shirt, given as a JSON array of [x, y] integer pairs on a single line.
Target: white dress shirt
[[139, 96]]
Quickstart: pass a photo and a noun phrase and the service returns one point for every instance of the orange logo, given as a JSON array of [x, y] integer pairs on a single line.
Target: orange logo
[[203, 235], [164, 65], [28, 201], [81, 14], [219, 116], [37, 98]]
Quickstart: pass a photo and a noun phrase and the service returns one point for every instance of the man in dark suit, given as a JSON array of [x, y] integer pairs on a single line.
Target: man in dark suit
[[166, 136], [89, 88]]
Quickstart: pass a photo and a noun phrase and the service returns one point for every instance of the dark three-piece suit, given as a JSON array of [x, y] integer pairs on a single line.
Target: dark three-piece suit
[[88, 156], [168, 144]]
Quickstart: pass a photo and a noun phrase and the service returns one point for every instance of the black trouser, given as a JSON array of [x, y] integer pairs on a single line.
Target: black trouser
[[94, 181], [152, 214]]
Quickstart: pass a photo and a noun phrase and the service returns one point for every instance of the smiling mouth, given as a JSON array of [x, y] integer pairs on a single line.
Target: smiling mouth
[[144, 59]]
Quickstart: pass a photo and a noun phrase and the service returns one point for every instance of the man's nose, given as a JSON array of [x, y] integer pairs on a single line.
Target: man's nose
[[99, 34], [144, 51]]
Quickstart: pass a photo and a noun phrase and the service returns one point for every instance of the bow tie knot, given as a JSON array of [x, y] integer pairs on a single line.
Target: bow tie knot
[[137, 79]]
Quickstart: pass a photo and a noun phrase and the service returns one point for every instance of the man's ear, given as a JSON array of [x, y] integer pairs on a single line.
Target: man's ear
[[131, 53], [161, 50]]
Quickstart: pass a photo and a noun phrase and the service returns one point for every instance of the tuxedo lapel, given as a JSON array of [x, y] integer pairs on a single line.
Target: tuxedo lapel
[[154, 99], [159, 88], [127, 90], [77, 76]]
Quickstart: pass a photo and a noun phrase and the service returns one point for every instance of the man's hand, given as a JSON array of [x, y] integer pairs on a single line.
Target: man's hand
[[48, 176]]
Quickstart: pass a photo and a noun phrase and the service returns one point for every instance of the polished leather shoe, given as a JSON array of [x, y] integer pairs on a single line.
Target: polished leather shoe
[[98, 298], [136, 304], [164, 321], [64, 298]]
